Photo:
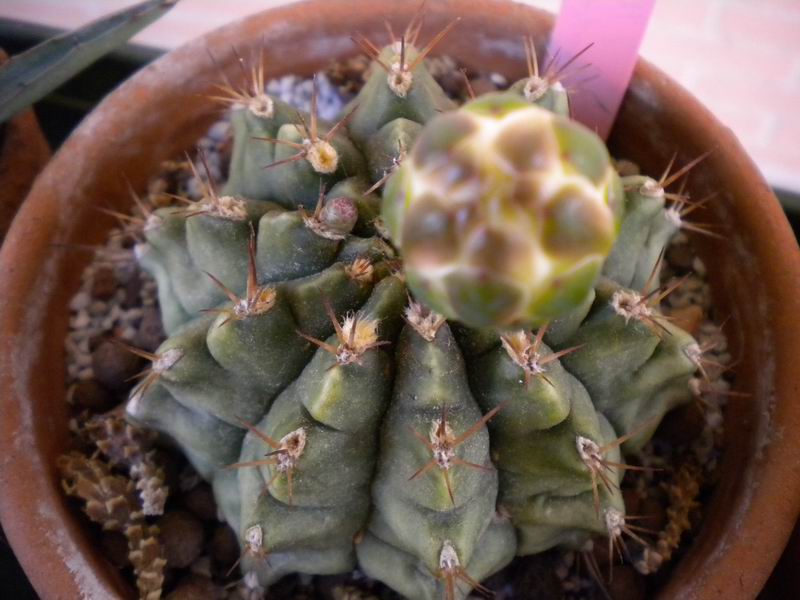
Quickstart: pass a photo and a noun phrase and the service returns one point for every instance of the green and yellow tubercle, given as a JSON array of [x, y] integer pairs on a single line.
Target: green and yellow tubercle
[[504, 213]]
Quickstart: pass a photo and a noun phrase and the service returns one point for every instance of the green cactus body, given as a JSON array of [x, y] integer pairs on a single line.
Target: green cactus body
[[247, 176], [646, 229], [534, 443], [550, 96], [543, 88], [428, 453], [408, 94], [307, 154], [435, 491], [634, 371], [334, 407]]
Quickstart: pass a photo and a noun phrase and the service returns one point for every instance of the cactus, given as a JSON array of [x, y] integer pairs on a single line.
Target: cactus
[[427, 383]]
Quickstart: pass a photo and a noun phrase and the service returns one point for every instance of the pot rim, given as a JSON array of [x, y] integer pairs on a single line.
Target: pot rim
[[43, 530]]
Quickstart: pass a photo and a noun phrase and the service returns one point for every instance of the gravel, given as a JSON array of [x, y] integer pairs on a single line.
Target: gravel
[[182, 536], [196, 587], [113, 365], [200, 501]]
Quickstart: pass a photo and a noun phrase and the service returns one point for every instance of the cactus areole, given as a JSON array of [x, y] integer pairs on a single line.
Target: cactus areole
[[423, 384]]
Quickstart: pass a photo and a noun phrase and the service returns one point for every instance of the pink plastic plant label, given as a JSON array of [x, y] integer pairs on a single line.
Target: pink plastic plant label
[[615, 29]]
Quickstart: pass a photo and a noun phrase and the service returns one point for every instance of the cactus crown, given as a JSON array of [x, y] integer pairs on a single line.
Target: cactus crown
[[389, 405]]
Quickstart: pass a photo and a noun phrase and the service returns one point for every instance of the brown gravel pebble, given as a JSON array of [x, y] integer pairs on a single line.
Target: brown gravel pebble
[[90, 394], [182, 536], [196, 587], [132, 288], [453, 84], [113, 365], [654, 513], [682, 425], [351, 592], [224, 547], [172, 463], [289, 588], [688, 318], [326, 586], [600, 552], [633, 501], [115, 548], [696, 517], [627, 584], [225, 155], [626, 168], [448, 75], [482, 85], [104, 283], [151, 331], [347, 75], [680, 256], [171, 577], [200, 500], [535, 577]]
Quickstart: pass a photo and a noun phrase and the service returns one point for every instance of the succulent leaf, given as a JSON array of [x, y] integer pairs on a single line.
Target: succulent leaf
[[31, 75]]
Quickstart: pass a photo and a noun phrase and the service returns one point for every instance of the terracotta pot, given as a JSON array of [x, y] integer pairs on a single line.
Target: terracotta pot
[[754, 271], [23, 154]]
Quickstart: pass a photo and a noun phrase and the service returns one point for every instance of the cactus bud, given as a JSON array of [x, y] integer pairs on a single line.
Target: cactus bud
[[339, 215], [504, 213], [333, 218]]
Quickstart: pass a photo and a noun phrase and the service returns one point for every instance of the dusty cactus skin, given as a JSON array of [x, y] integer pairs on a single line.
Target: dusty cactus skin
[[350, 404]]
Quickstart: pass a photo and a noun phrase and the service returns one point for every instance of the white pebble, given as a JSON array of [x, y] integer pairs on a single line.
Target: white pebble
[[97, 308], [80, 301], [129, 333], [219, 131], [80, 320], [499, 80], [131, 314], [699, 267], [201, 566]]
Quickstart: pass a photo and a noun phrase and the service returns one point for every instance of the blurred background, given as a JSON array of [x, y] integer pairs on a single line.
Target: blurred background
[[740, 57]]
